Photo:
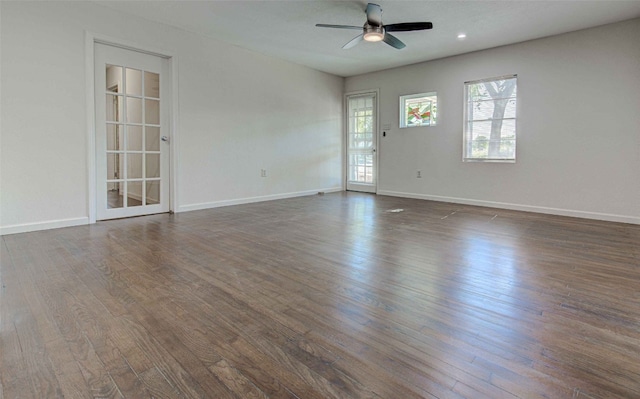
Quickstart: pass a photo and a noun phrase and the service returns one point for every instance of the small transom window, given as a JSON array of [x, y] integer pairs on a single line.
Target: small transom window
[[418, 109]]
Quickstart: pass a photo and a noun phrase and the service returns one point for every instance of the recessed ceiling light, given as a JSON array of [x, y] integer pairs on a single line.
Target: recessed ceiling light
[[462, 35]]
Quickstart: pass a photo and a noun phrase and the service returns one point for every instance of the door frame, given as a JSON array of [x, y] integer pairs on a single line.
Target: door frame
[[172, 63], [345, 135]]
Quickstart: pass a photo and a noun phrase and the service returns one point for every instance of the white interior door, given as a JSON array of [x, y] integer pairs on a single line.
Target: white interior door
[[362, 126], [132, 135]]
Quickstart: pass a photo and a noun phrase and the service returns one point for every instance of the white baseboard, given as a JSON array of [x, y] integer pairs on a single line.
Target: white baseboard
[[51, 224], [135, 197], [518, 207], [55, 224], [139, 198], [249, 200]]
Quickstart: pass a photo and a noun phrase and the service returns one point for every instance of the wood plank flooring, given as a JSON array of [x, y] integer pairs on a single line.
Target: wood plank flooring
[[327, 296]]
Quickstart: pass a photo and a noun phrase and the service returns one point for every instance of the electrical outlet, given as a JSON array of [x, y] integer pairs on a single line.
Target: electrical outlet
[[419, 175], [263, 173]]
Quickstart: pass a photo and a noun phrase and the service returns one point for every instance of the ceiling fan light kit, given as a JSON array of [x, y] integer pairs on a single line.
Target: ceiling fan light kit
[[374, 31]]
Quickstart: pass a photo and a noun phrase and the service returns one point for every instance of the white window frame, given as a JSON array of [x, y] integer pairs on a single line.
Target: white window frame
[[432, 117], [466, 141]]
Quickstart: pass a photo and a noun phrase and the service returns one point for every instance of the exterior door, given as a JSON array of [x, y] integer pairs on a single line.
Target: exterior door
[[132, 135], [361, 142]]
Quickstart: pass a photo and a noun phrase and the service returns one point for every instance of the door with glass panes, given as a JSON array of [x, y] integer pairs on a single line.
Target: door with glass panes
[[132, 137], [361, 142]]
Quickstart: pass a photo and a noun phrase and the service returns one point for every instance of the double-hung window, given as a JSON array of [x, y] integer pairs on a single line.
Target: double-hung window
[[490, 119]]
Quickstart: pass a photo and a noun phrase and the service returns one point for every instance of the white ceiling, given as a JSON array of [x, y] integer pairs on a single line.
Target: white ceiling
[[286, 29]]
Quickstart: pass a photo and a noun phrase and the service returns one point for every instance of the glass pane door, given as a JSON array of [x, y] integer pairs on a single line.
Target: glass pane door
[[132, 118], [361, 142], [132, 158]]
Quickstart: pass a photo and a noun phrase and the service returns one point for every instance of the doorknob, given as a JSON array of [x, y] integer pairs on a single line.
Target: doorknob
[[164, 138]]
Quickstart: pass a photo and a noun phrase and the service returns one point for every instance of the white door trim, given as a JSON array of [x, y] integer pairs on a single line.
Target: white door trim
[[345, 107], [90, 40]]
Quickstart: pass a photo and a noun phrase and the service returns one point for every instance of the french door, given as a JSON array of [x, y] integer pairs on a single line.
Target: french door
[[132, 135], [362, 125]]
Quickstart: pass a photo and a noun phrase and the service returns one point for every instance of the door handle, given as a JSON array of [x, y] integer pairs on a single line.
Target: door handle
[[164, 138]]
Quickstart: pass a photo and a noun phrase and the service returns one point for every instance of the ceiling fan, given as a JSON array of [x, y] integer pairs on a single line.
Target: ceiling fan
[[374, 31]]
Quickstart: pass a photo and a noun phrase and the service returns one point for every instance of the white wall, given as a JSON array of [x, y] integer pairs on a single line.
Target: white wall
[[239, 112], [578, 149]]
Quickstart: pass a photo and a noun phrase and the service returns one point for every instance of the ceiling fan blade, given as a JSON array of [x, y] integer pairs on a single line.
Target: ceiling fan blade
[[374, 14], [408, 26], [393, 41], [353, 42], [338, 26]]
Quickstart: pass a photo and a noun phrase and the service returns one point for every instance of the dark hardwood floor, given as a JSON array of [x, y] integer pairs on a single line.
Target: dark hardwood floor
[[324, 297]]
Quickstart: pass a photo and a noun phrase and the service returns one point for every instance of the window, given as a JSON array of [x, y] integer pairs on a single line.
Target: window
[[490, 119], [418, 109]]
